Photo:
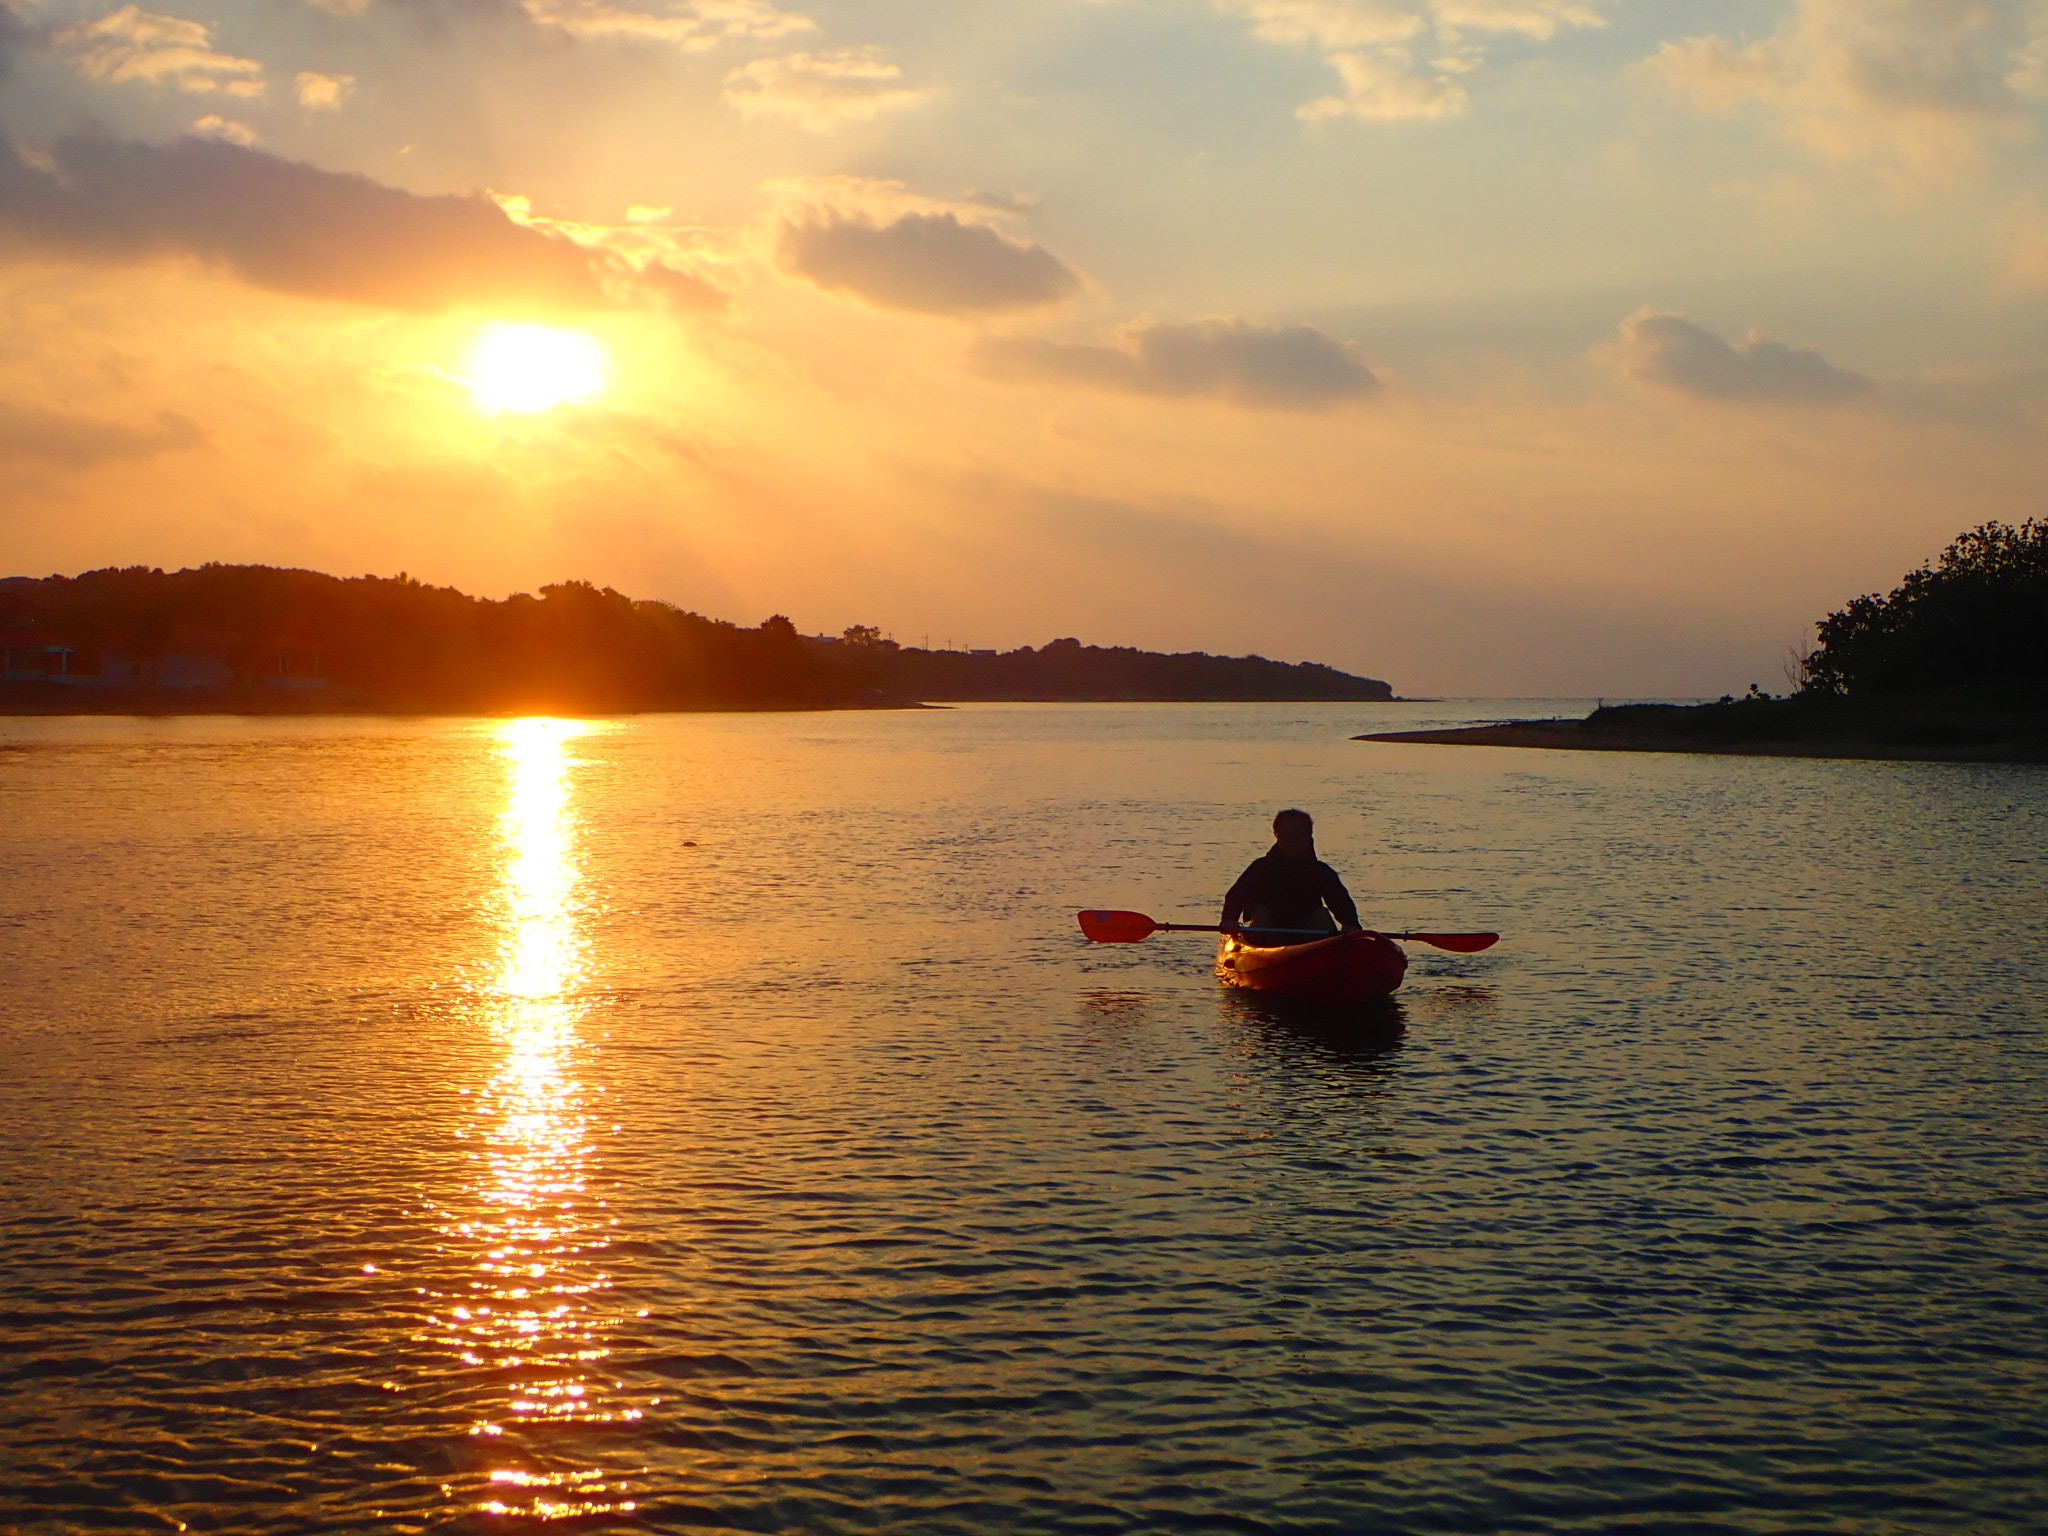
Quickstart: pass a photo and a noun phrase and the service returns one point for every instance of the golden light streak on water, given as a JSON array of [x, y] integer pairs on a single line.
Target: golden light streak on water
[[534, 1320]]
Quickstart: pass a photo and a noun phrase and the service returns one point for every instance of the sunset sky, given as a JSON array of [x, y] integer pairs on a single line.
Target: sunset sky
[[1486, 346]]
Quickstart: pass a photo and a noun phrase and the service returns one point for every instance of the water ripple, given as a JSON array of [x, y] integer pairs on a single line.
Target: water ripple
[[419, 1138]]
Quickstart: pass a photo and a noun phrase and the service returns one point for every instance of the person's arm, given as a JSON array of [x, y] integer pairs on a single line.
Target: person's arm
[[1239, 897], [1338, 900]]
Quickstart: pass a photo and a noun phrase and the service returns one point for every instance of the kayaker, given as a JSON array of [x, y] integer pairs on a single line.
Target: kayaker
[[1289, 887]]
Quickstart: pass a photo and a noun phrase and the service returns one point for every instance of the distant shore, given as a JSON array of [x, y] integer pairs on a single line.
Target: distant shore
[[45, 699], [1984, 744], [30, 699]]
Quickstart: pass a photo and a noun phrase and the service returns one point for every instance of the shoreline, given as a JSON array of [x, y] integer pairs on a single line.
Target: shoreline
[[17, 701], [265, 709], [1573, 736]]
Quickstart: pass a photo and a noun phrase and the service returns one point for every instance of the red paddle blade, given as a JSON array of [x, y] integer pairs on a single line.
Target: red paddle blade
[[1117, 927], [1462, 943]]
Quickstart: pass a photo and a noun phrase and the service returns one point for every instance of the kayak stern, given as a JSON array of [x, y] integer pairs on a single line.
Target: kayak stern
[[1344, 969]]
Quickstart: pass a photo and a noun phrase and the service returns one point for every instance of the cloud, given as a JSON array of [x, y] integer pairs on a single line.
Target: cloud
[[1404, 59], [1922, 83], [651, 252], [1385, 86], [293, 228], [929, 262], [322, 93], [2027, 267], [134, 44], [695, 26], [33, 432], [1294, 367], [1540, 19], [821, 90], [1672, 353], [214, 126], [15, 36], [1330, 25]]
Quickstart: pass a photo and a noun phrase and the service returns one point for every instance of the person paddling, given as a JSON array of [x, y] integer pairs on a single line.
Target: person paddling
[[1289, 887]]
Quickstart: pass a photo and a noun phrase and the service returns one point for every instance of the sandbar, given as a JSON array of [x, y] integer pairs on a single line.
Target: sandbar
[[1574, 736]]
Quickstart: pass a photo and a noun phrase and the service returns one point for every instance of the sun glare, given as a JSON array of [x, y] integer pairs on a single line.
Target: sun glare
[[524, 367]]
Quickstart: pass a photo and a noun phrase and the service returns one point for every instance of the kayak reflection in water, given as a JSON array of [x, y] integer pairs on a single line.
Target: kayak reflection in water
[[1289, 887]]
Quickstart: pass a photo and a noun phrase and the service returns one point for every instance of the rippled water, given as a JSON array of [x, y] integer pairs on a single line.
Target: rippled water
[[717, 1122]]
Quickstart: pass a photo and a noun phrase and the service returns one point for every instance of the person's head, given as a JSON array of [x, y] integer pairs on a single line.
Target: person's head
[[1295, 830]]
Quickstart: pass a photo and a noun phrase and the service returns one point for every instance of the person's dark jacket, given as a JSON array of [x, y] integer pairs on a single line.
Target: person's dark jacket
[[1279, 890]]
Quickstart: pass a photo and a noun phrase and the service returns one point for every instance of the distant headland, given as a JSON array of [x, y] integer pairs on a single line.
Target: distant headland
[[263, 640], [1951, 665]]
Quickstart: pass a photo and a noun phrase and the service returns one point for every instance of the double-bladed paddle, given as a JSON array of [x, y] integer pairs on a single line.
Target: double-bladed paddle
[[1130, 927]]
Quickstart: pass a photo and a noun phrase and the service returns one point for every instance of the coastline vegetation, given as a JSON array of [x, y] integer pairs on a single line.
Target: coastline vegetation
[[1950, 664], [1953, 658], [252, 638]]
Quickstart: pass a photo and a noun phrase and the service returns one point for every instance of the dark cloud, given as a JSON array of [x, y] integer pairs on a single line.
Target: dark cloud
[[1292, 367], [929, 262], [31, 432], [14, 37], [1670, 351], [294, 228]]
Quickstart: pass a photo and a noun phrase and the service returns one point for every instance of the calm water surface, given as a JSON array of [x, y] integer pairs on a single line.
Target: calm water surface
[[716, 1122]]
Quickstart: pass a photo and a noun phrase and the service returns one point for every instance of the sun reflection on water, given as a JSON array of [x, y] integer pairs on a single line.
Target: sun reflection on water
[[533, 1317]]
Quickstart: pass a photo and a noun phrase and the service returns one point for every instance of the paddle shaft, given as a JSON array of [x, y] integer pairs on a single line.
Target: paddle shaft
[[1296, 933], [1132, 927], [1293, 933]]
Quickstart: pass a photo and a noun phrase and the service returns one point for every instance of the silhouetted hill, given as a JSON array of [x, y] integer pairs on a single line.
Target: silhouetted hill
[[1067, 669], [251, 637], [260, 634]]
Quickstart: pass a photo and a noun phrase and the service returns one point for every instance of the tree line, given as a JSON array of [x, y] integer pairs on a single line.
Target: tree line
[[1974, 622], [1067, 669], [398, 643], [395, 642]]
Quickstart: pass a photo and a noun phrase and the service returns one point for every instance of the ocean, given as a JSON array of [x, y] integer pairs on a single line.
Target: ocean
[[718, 1122]]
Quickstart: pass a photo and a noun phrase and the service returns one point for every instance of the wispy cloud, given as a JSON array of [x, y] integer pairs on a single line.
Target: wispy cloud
[[695, 26], [214, 126], [322, 93], [132, 44], [1540, 19], [1384, 85], [1922, 84], [821, 90], [80, 442], [1405, 59], [1294, 367]]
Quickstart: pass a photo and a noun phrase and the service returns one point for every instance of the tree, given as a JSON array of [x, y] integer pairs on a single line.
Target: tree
[[1975, 620]]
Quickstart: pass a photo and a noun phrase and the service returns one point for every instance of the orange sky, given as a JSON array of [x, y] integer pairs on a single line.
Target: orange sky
[[1487, 346]]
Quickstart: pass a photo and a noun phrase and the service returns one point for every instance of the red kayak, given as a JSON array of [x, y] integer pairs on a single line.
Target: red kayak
[[1344, 969]]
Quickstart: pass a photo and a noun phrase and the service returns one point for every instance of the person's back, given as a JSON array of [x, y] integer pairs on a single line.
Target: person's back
[[1289, 887]]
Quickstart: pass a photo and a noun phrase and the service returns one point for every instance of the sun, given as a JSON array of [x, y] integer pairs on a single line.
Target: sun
[[516, 366]]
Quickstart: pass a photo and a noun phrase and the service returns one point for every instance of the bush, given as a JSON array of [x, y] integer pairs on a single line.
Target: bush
[[1975, 621]]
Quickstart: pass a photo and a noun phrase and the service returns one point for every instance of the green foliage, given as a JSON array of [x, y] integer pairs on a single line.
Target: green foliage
[[1976, 621]]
